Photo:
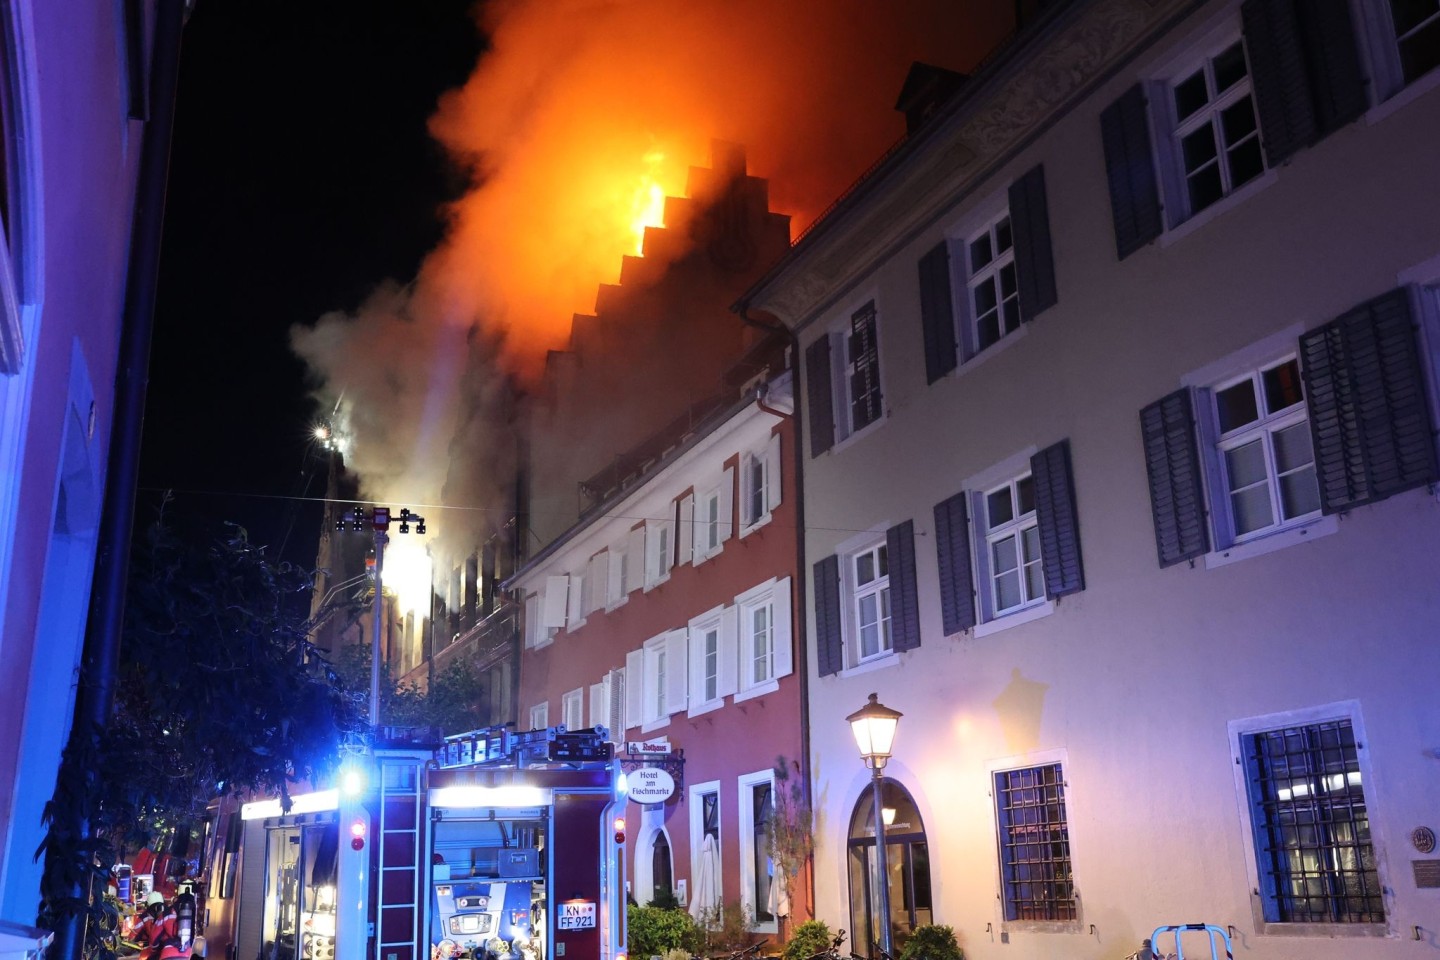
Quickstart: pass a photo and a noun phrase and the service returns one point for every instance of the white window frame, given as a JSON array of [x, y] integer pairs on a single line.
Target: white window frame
[[540, 715], [696, 800], [707, 541], [760, 485], [988, 222], [664, 667], [1348, 710], [745, 797], [855, 592], [572, 709], [575, 602], [659, 550], [1375, 30], [770, 645], [988, 537], [1225, 548], [987, 621], [718, 622], [615, 594], [1026, 761]]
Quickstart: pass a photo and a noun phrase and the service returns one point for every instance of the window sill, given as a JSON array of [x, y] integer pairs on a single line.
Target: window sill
[[650, 725], [745, 531], [1279, 540], [859, 435], [1007, 620], [875, 663], [977, 360], [571, 628], [707, 707], [617, 604], [1182, 230], [652, 584], [698, 559], [759, 690], [1403, 98], [1337, 930]]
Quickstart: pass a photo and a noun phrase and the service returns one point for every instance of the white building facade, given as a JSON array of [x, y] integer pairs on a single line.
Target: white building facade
[[1119, 406]]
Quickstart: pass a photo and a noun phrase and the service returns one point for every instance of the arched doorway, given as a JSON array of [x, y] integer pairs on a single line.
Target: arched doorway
[[908, 863]]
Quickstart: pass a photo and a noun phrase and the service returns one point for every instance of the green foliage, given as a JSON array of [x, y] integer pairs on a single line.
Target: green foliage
[[655, 931], [458, 699], [218, 687], [932, 942], [789, 834], [728, 927], [810, 938]]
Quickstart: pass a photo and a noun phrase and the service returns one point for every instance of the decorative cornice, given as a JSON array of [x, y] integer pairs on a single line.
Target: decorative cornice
[[1026, 91]]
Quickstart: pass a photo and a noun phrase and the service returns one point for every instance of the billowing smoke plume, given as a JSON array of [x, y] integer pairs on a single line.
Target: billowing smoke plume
[[578, 116]]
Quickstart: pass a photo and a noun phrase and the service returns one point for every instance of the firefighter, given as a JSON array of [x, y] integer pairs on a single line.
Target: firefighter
[[148, 922], [174, 934]]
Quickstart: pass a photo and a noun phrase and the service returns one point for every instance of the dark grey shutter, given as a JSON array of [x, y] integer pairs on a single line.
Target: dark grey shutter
[[864, 362], [1305, 69], [1130, 170], [829, 655], [952, 549], [904, 598], [1278, 74], [1369, 416], [1057, 520], [937, 314], [1172, 463], [1034, 260], [819, 396]]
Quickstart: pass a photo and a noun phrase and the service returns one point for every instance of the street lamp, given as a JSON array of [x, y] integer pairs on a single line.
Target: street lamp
[[874, 728]]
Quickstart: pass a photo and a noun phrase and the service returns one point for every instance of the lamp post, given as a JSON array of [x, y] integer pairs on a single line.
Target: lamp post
[[379, 521], [874, 728]]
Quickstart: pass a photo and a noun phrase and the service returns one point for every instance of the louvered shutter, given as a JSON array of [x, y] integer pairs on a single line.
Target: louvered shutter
[[1130, 171], [599, 705], [677, 676], [783, 631], [727, 503], [820, 396], [615, 575], [952, 548], [1172, 465], [772, 473], [576, 600], [615, 690], [829, 652], [635, 560], [1034, 260], [937, 312], [1305, 70], [904, 594], [866, 402], [553, 600], [1057, 520], [686, 530], [1369, 416], [634, 688], [727, 676]]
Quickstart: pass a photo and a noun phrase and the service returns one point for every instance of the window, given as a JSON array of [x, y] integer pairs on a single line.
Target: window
[[1417, 36], [18, 197], [871, 571], [1311, 824], [1266, 462], [1013, 575], [759, 484], [713, 658], [1216, 134], [707, 525], [655, 651], [993, 290], [540, 716], [597, 583], [659, 550], [866, 604], [615, 576], [657, 679], [705, 872], [907, 862], [607, 704], [572, 710], [1005, 266], [1036, 882], [635, 559], [765, 636], [842, 380], [757, 806]]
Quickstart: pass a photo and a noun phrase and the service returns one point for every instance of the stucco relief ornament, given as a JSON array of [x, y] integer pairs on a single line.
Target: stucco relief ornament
[[1423, 839]]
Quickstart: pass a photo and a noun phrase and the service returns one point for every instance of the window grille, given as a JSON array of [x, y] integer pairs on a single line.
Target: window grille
[[1036, 878], [1312, 827]]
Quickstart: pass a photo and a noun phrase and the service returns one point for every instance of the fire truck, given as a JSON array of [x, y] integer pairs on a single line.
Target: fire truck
[[497, 845]]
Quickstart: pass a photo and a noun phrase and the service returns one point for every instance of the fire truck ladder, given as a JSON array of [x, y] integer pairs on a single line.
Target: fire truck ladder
[[398, 860]]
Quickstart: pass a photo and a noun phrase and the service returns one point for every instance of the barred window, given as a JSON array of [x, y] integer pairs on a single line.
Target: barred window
[[1312, 829], [1035, 873]]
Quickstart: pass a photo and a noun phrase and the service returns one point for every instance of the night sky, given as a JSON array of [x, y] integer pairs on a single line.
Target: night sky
[[301, 176]]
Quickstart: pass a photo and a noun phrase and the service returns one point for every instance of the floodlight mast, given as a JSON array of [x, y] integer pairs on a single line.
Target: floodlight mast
[[378, 521]]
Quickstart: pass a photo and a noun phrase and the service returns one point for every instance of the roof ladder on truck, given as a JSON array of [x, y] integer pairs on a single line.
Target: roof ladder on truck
[[399, 842]]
